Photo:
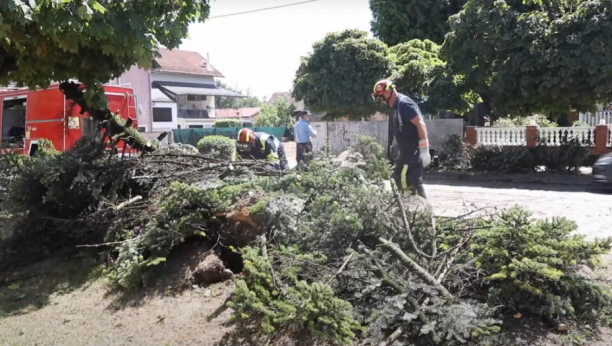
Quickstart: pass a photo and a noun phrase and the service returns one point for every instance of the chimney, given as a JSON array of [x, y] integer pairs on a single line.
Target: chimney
[[208, 67]]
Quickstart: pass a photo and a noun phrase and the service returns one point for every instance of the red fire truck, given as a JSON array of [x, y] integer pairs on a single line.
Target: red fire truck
[[28, 116]]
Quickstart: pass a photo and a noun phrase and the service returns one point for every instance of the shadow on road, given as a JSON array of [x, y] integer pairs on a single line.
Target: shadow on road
[[522, 186], [28, 289]]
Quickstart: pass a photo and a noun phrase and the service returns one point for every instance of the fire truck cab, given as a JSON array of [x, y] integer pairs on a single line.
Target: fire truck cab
[[27, 116]]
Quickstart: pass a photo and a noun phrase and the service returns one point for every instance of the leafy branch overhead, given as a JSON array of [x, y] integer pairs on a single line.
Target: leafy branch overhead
[[338, 76], [398, 21], [532, 56], [518, 57], [91, 41]]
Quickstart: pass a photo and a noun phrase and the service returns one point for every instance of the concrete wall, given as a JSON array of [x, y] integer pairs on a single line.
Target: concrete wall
[[139, 80], [342, 134], [186, 122]]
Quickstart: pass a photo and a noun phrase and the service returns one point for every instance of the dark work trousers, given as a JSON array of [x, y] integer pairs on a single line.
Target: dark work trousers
[[303, 152], [409, 177], [282, 156]]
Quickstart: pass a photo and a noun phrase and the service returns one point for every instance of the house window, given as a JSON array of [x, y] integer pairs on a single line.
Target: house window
[[162, 114], [191, 97], [142, 129], [178, 126], [196, 126]]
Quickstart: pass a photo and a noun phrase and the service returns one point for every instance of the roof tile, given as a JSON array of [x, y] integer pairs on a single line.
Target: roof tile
[[186, 62], [247, 112]]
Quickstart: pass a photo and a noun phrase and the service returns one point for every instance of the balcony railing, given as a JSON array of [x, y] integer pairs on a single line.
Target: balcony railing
[[193, 114]]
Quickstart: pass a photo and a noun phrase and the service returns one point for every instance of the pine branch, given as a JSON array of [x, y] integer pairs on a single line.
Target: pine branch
[[396, 334], [407, 229], [410, 264], [377, 268], [445, 267]]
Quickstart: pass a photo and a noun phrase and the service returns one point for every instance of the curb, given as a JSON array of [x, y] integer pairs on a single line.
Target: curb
[[537, 178]]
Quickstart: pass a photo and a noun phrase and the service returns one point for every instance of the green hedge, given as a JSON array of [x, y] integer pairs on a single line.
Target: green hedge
[[219, 147], [193, 136], [457, 155], [229, 123]]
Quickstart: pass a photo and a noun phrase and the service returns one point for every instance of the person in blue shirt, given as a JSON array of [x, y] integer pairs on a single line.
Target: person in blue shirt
[[411, 136], [303, 133]]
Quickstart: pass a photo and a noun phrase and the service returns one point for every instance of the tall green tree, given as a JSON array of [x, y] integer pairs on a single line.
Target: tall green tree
[[339, 75], [88, 40], [531, 56], [398, 21], [276, 115], [235, 102], [421, 74]]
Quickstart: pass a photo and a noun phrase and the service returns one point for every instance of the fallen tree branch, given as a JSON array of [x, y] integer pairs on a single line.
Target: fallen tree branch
[[444, 268], [264, 253], [407, 229], [128, 202], [112, 243], [384, 277], [434, 242], [341, 268], [410, 264], [379, 271], [396, 334]]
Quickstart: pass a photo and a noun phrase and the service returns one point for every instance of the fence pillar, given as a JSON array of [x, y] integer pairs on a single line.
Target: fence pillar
[[601, 140], [471, 137], [532, 135]]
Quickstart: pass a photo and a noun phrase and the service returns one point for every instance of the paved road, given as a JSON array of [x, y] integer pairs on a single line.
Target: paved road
[[591, 211]]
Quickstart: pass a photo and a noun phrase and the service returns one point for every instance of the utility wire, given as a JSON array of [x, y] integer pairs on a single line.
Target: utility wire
[[262, 9]]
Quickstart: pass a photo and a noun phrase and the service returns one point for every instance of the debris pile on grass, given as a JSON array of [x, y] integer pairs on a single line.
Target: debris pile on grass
[[333, 250]]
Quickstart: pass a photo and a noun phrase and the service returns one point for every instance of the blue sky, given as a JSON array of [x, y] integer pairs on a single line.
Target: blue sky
[[261, 51]]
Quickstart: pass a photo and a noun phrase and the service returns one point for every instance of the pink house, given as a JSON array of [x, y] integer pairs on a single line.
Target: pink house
[[139, 80], [179, 92]]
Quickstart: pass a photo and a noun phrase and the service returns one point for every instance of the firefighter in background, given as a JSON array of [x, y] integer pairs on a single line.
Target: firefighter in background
[[262, 146], [410, 135]]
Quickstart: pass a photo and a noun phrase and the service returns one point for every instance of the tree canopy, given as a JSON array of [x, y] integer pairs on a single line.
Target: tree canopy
[[235, 102], [339, 75], [91, 41], [421, 74], [276, 115], [534, 56], [398, 21]]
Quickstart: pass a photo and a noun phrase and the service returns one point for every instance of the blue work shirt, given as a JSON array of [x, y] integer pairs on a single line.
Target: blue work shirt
[[303, 131]]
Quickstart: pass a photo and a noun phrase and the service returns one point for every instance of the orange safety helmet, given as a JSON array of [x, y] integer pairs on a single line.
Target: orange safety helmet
[[246, 136], [246, 140]]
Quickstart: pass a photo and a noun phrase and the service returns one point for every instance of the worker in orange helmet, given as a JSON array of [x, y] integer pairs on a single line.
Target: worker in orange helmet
[[410, 135], [261, 146]]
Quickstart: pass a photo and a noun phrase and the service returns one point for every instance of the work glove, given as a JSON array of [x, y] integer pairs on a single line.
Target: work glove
[[424, 152]]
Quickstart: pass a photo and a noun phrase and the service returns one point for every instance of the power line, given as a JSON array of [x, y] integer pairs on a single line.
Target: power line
[[262, 9]]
